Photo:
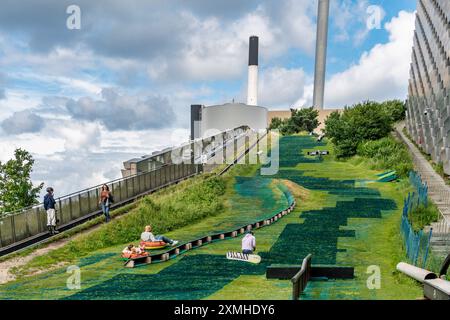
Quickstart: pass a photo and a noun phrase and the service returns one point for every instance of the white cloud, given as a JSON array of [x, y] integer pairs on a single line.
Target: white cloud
[[119, 111], [350, 19], [22, 122], [218, 50], [380, 74], [73, 155], [17, 101], [298, 28], [215, 51], [280, 87]]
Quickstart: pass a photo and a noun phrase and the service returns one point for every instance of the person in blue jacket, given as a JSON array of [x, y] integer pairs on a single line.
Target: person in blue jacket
[[49, 206]]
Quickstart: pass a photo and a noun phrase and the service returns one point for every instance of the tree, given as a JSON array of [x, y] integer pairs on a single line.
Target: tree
[[395, 109], [16, 189], [276, 123], [361, 122], [305, 119]]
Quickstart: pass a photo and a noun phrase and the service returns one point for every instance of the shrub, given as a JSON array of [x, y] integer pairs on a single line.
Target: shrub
[[387, 153], [276, 123], [395, 109], [304, 119], [186, 204], [361, 122], [423, 216]]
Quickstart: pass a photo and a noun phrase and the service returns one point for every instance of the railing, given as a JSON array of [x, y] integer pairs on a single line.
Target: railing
[[300, 280], [30, 223], [196, 148], [438, 191], [417, 244]]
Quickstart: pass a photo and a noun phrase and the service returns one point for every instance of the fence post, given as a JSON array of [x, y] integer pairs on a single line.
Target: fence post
[[1, 241], [80, 209], [70, 208], [13, 225], [60, 210], [416, 256], [426, 250]]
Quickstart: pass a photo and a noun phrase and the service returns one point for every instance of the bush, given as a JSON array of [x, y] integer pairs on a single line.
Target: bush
[[395, 109], [305, 119], [276, 123], [186, 204], [361, 122], [423, 216], [387, 153]]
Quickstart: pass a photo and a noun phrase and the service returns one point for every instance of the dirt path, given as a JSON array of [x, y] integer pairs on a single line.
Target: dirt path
[[6, 266]]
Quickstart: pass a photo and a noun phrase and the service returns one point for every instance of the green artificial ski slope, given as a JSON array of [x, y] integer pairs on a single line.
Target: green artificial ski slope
[[340, 219]]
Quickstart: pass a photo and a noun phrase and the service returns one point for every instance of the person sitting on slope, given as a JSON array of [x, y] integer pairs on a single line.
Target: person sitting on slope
[[248, 243], [148, 236], [132, 249]]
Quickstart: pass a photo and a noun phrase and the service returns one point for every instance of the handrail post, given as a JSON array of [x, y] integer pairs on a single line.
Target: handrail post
[[70, 208], [300, 280], [13, 228]]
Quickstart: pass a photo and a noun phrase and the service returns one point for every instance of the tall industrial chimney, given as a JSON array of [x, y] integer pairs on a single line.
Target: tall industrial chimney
[[252, 87], [321, 53]]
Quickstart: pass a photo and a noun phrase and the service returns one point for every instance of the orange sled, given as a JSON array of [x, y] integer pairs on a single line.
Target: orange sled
[[132, 260], [152, 245]]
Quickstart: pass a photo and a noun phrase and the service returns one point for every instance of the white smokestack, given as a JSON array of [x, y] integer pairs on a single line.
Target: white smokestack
[[252, 87]]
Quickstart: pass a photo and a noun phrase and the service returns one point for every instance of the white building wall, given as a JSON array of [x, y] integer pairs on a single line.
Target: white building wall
[[232, 115]]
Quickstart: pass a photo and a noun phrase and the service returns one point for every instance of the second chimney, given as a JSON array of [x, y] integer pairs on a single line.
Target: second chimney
[[252, 88]]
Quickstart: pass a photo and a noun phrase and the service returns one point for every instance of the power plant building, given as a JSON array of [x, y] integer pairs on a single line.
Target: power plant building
[[428, 104], [208, 120]]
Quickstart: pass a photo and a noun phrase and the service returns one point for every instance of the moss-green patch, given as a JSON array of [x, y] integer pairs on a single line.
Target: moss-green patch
[[193, 277]]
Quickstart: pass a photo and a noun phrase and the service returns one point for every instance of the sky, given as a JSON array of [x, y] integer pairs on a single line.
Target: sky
[[84, 100]]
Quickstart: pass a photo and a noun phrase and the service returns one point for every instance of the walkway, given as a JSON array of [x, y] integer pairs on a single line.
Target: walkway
[[438, 191]]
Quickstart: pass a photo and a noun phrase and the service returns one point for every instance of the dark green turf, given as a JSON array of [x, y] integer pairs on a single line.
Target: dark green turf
[[320, 231], [199, 276], [291, 150], [193, 277]]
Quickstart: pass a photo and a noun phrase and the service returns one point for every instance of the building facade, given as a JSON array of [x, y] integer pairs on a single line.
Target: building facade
[[213, 119], [428, 104]]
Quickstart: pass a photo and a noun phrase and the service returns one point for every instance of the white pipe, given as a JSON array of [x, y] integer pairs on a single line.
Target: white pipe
[[416, 273], [252, 87]]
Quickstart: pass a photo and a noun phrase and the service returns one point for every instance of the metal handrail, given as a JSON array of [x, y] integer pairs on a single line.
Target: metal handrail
[[423, 170], [8, 214], [27, 224], [61, 198], [300, 280], [190, 142]]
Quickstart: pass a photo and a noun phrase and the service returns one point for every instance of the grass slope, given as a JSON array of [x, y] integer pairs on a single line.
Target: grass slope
[[341, 216]]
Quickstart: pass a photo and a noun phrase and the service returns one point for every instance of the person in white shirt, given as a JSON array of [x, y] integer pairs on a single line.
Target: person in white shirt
[[147, 235], [249, 243]]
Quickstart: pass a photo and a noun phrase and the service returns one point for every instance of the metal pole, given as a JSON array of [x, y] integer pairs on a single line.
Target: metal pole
[[321, 53]]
